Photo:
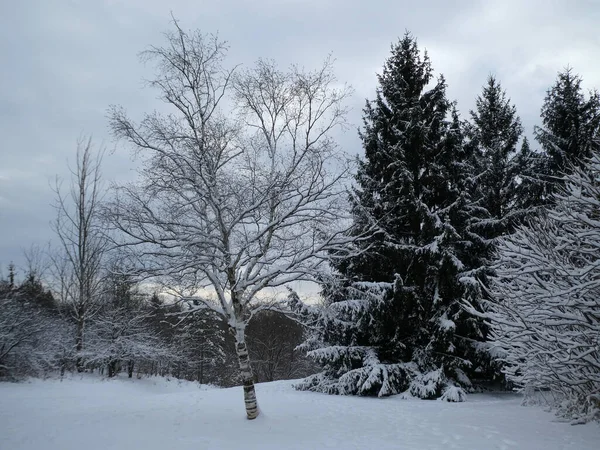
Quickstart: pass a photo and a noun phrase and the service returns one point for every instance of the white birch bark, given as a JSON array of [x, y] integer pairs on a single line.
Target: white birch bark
[[246, 373]]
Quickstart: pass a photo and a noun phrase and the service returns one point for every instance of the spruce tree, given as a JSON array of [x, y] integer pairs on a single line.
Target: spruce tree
[[494, 133], [506, 187], [570, 131], [528, 167], [394, 314]]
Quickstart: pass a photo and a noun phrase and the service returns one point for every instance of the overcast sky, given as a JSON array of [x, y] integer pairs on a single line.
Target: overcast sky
[[64, 62]]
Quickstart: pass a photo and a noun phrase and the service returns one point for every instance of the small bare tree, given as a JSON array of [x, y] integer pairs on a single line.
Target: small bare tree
[[242, 189], [83, 243]]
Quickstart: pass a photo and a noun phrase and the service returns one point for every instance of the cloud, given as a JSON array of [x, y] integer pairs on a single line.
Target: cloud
[[64, 63]]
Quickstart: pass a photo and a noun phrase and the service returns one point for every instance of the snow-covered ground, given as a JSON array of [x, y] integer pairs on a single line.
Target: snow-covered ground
[[155, 414]]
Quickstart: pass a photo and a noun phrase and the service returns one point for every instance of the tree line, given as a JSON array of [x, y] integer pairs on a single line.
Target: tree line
[[451, 255], [134, 332]]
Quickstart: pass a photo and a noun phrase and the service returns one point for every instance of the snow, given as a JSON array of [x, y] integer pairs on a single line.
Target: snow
[[156, 414]]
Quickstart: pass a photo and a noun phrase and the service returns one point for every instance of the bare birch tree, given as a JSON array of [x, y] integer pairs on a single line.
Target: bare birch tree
[[242, 189], [83, 243]]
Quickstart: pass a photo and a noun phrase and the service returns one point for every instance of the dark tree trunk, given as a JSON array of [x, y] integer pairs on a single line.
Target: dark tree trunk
[[130, 366], [201, 377], [79, 346], [112, 369]]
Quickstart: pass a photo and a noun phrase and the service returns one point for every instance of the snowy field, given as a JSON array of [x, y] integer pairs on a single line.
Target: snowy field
[[155, 414]]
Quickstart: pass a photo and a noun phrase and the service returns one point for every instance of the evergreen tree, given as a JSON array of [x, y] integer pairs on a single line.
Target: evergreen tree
[[529, 167], [494, 133], [394, 311], [33, 289], [11, 276], [571, 128]]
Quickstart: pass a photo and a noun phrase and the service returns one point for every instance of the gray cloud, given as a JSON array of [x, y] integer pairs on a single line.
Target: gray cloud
[[64, 62]]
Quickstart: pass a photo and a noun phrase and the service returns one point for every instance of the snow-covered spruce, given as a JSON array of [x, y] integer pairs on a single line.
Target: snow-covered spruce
[[545, 305], [394, 322], [355, 369], [569, 133], [502, 188]]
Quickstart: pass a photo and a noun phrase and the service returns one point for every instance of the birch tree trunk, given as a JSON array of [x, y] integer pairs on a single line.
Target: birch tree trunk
[[241, 349]]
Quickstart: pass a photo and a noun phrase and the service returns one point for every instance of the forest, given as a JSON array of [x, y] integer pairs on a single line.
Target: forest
[[453, 255]]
